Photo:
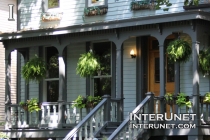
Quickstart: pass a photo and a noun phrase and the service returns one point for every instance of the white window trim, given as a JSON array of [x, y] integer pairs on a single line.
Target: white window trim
[[99, 3], [53, 9]]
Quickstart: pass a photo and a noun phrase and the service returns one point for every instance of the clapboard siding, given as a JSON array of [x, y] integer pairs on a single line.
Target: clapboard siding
[[7, 26], [31, 11], [75, 84], [129, 76], [22, 81], [33, 86]]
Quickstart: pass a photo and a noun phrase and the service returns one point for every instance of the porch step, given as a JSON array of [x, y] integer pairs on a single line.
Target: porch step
[[107, 130]]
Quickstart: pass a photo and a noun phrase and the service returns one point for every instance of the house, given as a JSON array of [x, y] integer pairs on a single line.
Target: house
[[7, 26], [113, 29]]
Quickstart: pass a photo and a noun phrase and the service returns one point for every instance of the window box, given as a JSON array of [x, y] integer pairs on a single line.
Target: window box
[[92, 11], [196, 6], [142, 5], [51, 16]]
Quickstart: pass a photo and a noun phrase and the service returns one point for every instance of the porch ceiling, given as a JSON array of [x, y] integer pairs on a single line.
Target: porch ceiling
[[187, 15]]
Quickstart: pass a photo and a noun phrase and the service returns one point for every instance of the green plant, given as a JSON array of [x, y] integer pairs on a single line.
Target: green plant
[[88, 64], [206, 98], [182, 100], [33, 105], [3, 136], [80, 102], [168, 96], [92, 101], [204, 61], [34, 70], [178, 50], [191, 2], [162, 2]]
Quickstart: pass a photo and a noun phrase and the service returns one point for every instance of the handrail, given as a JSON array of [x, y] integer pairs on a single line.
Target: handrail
[[81, 123], [126, 121]]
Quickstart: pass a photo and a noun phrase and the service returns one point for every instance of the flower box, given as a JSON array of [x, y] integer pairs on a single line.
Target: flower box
[[51, 16], [141, 5], [93, 11]]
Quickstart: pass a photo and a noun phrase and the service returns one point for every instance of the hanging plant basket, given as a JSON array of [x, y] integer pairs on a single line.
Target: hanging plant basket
[[34, 70], [178, 51], [204, 61], [88, 64]]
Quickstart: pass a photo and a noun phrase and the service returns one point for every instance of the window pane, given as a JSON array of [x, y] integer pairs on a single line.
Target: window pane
[[52, 91], [53, 4], [96, 2], [157, 70], [170, 72], [102, 86], [52, 62]]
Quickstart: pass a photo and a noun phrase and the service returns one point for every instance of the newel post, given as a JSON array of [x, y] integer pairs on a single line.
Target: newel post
[[107, 108], [151, 102]]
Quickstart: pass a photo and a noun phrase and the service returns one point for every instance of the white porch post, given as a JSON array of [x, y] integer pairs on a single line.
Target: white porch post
[[62, 88], [195, 107], [7, 89]]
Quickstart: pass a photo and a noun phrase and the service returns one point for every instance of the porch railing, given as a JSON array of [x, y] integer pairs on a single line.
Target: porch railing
[[126, 130], [106, 110]]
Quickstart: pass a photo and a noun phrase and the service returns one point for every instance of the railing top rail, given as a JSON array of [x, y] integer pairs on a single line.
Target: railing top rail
[[81, 123], [12, 105], [49, 103], [123, 124]]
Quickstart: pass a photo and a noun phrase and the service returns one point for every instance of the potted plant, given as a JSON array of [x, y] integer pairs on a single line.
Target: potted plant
[[92, 101], [178, 51], [206, 99], [34, 70], [31, 105], [88, 64], [169, 98], [204, 61], [182, 100], [80, 102], [3, 136]]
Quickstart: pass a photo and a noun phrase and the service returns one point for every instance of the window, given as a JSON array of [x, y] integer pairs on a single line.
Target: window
[[53, 4], [52, 78], [102, 80], [91, 3]]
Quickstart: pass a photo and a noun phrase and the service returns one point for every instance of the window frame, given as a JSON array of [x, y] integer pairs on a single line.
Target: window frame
[[87, 4], [47, 9]]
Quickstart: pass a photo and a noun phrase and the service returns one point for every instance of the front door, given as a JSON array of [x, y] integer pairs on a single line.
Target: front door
[[154, 70]]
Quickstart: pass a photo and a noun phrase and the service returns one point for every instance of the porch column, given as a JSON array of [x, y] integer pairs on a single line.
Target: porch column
[[195, 95], [162, 75], [62, 87], [177, 81], [119, 79], [7, 88]]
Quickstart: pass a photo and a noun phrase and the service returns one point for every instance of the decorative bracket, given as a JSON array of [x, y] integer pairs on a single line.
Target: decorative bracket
[[160, 28], [117, 33], [58, 40], [193, 24]]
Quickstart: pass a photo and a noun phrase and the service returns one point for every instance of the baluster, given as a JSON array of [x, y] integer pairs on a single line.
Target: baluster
[[43, 115], [68, 119], [54, 115], [86, 132], [130, 130], [156, 106], [80, 133], [207, 112], [48, 114], [202, 109], [102, 116], [97, 120], [19, 116], [91, 127], [124, 133], [12, 116], [74, 117], [24, 118]]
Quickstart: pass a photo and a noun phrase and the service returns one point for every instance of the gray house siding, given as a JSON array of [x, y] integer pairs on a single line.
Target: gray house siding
[[31, 11], [129, 76]]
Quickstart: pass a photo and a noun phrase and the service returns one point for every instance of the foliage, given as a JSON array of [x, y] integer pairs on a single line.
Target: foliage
[[3, 136], [88, 64], [204, 61], [34, 70], [178, 50], [86, 102], [53, 3], [80, 102], [162, 2], [92, 101], [191, 2], [168, 96], [182, 100], [207, 97], [32, 105]]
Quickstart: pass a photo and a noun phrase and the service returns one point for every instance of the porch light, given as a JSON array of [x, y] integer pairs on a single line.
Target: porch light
[[132, 53]]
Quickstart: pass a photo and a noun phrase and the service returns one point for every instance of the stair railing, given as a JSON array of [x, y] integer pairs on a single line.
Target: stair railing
[[92, 122], [126, 129]]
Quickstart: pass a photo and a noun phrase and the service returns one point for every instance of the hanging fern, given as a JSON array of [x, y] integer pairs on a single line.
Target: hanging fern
[[204, 61], [88, 64], [34, 70], [178, 50]]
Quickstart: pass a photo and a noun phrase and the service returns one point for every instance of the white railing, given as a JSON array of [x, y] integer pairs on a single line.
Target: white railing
[[126, 130]]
